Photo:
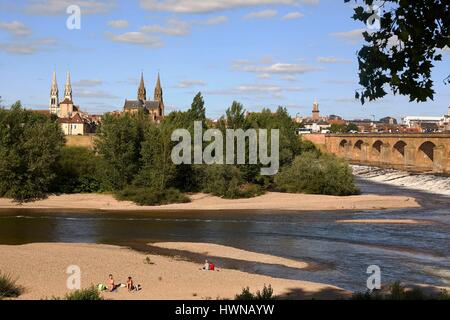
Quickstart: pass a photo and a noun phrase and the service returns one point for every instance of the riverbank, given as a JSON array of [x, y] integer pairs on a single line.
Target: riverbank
[[41, 270], [267, 202]]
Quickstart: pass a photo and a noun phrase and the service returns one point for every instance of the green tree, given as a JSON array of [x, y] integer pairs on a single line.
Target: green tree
[[77, 171], [158, 170], [119, 146], [317, 174], [197, 111], [235, 116], [402, 53], [30, 146]]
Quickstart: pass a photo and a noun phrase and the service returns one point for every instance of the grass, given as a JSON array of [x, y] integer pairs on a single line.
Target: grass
[[265, 294], [88, 294], [9, 287]]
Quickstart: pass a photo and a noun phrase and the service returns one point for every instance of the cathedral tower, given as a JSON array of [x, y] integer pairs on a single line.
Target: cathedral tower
[[54, 96], [142, 93], [68, 88], [158, 90]]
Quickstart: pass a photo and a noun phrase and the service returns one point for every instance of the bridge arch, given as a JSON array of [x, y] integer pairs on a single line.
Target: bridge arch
[[427, 150], [377, 146], [343, 143], [358, 144], [399, 148]]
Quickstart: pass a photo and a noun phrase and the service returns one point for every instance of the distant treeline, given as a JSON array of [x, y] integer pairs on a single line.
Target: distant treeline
[[132, 159]]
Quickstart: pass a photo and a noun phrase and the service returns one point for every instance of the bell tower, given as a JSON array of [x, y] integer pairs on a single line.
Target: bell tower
[[54, 96], [68, 88], [315, 111], [142, 93], [158, 90]]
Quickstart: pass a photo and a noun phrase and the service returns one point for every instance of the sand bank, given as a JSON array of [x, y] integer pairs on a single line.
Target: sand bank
[[384, 221], [215, 250], [269, 201], [41, 269]]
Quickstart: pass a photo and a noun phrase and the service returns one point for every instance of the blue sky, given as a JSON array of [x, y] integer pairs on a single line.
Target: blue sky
[[263, 53]]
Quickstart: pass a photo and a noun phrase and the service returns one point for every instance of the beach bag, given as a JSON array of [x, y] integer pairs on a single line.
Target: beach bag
[[212, 266], [101, 287]]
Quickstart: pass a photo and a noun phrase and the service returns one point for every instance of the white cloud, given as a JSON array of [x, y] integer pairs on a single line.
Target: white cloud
[[202, 6], [56, 7], [99, 94], [261, 14], [293, 15], [16, 28], [332, 60], [174, 27], [279, 68], [136, 38], [118, 24], [215, 20], [353, 36], [28, 47], [83, 83], [191, 83], [289, 78]]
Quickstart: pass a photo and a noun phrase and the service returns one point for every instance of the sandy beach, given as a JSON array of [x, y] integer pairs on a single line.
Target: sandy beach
[[384, 221], [268, 202], [41, 269], [215, 250]]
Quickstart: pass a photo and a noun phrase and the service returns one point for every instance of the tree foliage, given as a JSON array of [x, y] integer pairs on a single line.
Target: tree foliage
[[402, 53], [119, 146], [30, 146]]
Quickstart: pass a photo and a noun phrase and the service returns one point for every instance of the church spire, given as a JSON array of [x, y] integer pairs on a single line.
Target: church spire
[[158, 90], [54, 95], [142, 92], [68, 88]]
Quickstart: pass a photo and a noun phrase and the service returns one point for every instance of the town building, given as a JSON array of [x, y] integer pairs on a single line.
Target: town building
[[72, 120]]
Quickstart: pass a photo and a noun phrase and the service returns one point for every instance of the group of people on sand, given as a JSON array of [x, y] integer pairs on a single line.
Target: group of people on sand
[[112, 286]]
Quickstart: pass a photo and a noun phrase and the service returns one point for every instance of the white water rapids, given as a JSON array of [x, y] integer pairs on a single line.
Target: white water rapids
[[423, 182]]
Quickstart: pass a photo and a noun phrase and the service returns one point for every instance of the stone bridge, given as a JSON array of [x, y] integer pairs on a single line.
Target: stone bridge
[[411, 152]]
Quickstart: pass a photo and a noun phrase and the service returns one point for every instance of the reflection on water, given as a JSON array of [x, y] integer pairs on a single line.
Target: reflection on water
[[413, 253]]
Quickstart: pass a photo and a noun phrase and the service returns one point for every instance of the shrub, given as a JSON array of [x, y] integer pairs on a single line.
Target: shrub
[[151, 197], [222, 181], [317, 174], [9, 287], [77, 171], [399, 292], [90, 293], [265, 294]]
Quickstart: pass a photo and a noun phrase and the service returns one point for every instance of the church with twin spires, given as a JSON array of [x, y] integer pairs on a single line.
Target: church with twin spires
[[72, 120], [155, 107]]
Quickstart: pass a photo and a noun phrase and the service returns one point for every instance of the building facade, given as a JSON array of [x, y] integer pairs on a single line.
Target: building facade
[[71, 119]]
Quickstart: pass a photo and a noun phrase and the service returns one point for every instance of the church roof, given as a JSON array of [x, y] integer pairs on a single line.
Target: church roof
[[137, 104], [75, 119], [66, 101]]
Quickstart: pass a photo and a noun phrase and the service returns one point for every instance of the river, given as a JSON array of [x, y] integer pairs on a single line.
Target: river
[[340, 253]]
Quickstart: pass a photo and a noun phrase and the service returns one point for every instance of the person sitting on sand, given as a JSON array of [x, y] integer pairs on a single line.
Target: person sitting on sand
[[209, 266], [111, 285], [131, 286]]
